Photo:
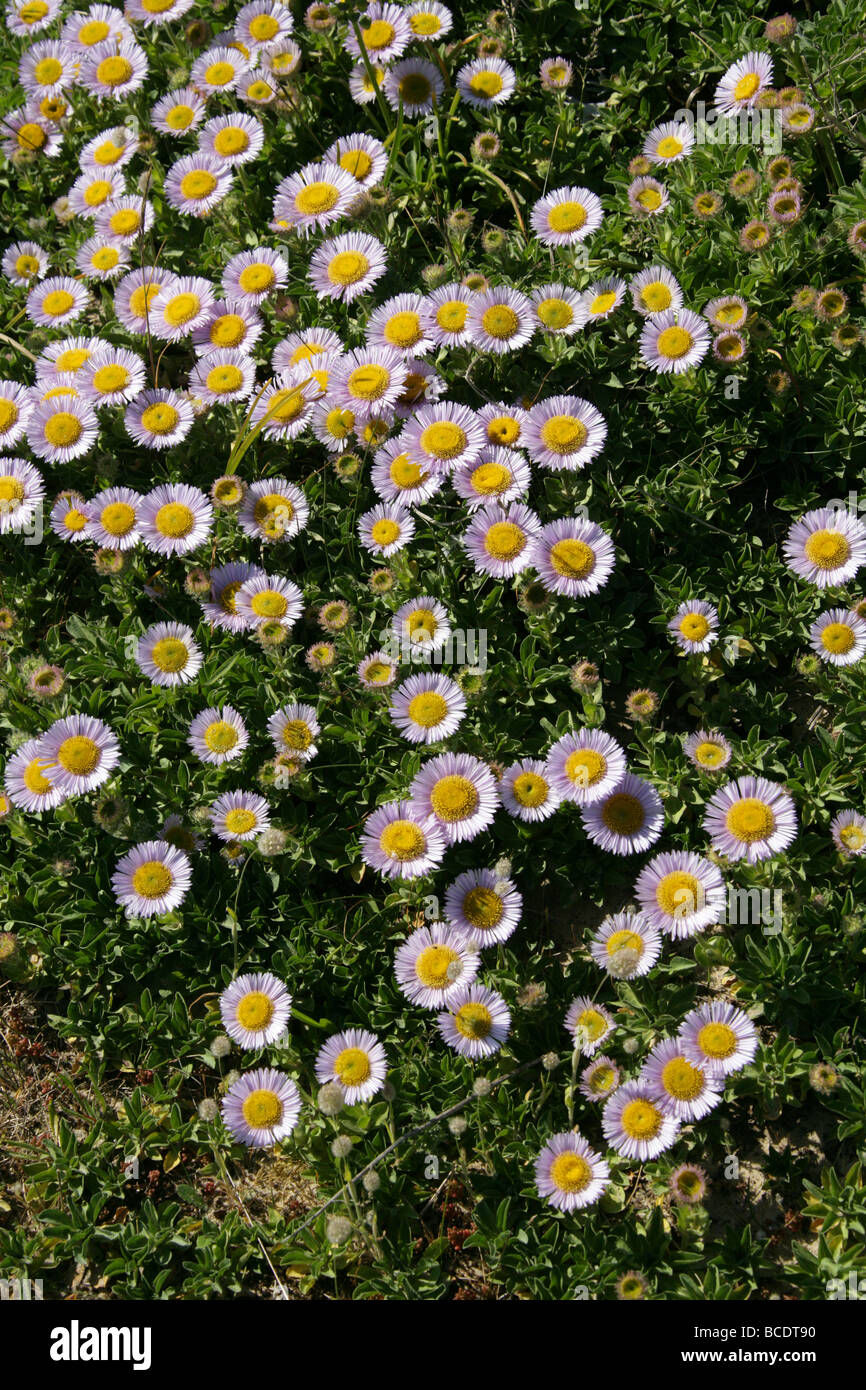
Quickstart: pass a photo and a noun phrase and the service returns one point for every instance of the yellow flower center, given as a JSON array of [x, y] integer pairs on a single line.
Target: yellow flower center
[[585, 767], [219, 74], [694, 627], [221, 380], [404, 473], [170, 654], [63, 429], [564, 434], [240, 821], [483, 908], [264, 27], [262, 1109], [555, 313], [110, 378], [112, 72], [601, 1079], [255, 1011], [227, 597], [656, 297], [421, 620], [220, 736], [197, 184], [750, 820], [505, 540], [403, 330], [570, 1172], [8, 415], [180, 117], [385, 532], [486, 84], [141, 299], [423, 24], [669, 147], [747, 86], [340, 423], [94, 32], [838, 638], [624, 941], [297, 735], [285, 406], [152, 879], [530, 789], [491, 478], [641, 1119], [74, 520], [503, 430], [500, 321], [272, 510], [269, 603], [378, 34], [454, 798], [26, 266], [316, 198], [125, 221], [181, 308], [451, 316], [427, 709], [681, 1080], [444, 440], [378, 673], [227, 331], [79, 755], [402, 840], [650, 199], [369, 382], [160, 419], [255, 278], [568, 216], [352, 1066], [433, 964], [852, 837], [572, 559], [105, 258], [827, 549], [34, 779], [623, 814], [108, 153], [709, 754], [48, 71], [31, 136], [118, 518], [591, 1025], [348, 267], [679, 894], [603, 303], [717, 1040], [473, 1021], [57, 302], [33, 12]]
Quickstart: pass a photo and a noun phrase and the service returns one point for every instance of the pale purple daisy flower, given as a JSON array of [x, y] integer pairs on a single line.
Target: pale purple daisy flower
[[559, 309], [460, 791], [655, 290], [263, 25], [304, 349], [377, 671], [314, 197], [403, 324], [22, 490], [294, 729], [26, 132], [727, 311], [101, 259], [429, 20], [670, 142], [483, 906], [718, 1038], [62, 428], [180, 307], [395, 477], [218, 735], [486, 83], [385, 33], [356, 1061], [261, 1108], [111, 149], [427, 708], [367, 381], [175, 518], [500, 540], [678, 1087], [503, 425], [255, 1009], [48, 67], [442, 436], [599, 1080], [564, 432], [239, 816], [151, 879], [57, 300], [24, 263], [476, 1022], [251, 276], [156, 12], [635, 1125], [124, 219], [158, 419], [751, 818], [233, 140], [219, 69], [113, 70], [284, 407], [742, 83], [681, 893], [586, 766], [362, 156], [221, 608], [273, 509], [826, 547], [386, 529], [399, 843], [269, 598], [228, 326], [556, 74], [112, 376], [27, 780], [573, 557], [112, 518], [434, 965], [68, 518], [848, 829], [588, 1025], [647, 197], [80, 753], [167, 654], [626, 944], [449, 305], [569, 1174], [708, 751], [628, 820], [23, 17], [414, 84], [135, 295], [223, 375], [603, 297], [730, 346], [565, 216], [62, 362], [178, 111], [695, 626], [674, 341], [497, 475], [423, 623], [361, 87], [345, 266], [838, 637], [500, 320], [528, 792], [196, 183]]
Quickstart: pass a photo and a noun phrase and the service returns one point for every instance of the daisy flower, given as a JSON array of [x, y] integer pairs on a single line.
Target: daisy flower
[[588, 1024], [730, 346], [398, 842], [695, 626], [483, 906], [255, 1009], [239, 816], [111, 518], [626, 945], [599, 1080], [434, 965], [498, 475], [315, 197], [153, 12], [221, 608], [586, 766], [556, 74], [262, 1107], [269, 598], [101, 259], [848, 829], [25, 17], [573, 556], [356, 1061], [179, 307], [566, 216], [26, 132], [273, 509], [647, 197], [719, 1038], [113, 70], [377, 671], [826, 547], [178, 111], [263, 25], [558, 309], [688, 1184], [680, 1088], [347, 266], [744, 80], [527, 791], [414, 84], [709, 751], [61, 429], [361, 87], [449, 307], [158, 419], [251, 276], [27, 781], [362, 156], [402, 324], [57, 300], [16, 407], [500, 320], [47, 67], [603, 297], [460, 791], [284, 407], [151, 879], [80, 753], [167, 654], [65, 358], [655, 290], [839, 637], [294, 729], [499, 540], [218, 70], [395, 477], [429, 20], [486, 83], [21, 493], [386, 529], [25, 262], [68, 517], [384, 30], [218, 735], [442, 436], [681, 893], [670, 142], [628, 819], [197, 182], [476, 1022], [112, 376], [503, 425], [427, 708], [750, 818], [304, 349], [674, 341], [367, 381], [569, 1174], [634, 1123], [135, 295], [564, 432], [226, 327], [421, 622], [223, 375]]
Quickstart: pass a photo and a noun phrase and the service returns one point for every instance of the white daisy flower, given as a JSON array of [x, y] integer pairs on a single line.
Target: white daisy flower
[[588, 1025], [25, 262], [681, 893], [94, 190], [284, 407], [346, 266], [718, 1038], [377, 671], [153, 12], [315, 197], [356, 1061], [167, 654], [449, 305], [362, 89], [151, 879], [239, 816], [269, 598], [421, 622], [80, 753], [384, 30], [695, 626], [367, 381], [678, 1087], [484, 907], [26, 132], [402, 324], [25, 17], [263, 25], [603, 297], [655, 290], [628, 819], [262, 1107], [486, 83], [46, 68], [564, 432], [87, 28], [251, 276], [826, 547], [499, 540], [427, 708], [124, 219], [674, 341], [158, 419], [362, 156], [179, 307], [28, 782], [528, 792], [460, 791], [670, 142], [750, 818], [626, 945], [111, 149], [569, 1174], [565, 216], [708, 751], [395, 477], [558, 309], [218, 735], [429, 20], [255, 1009], [433, 965], [635, 1125], [196, 183], [476, 1022], [294, 730], [500, 320], [111, 518], [838, 637], [386, 529], [647, 197], [743, 82], [178, 111], [399, 843], [218, 69], [848, 829], [221, 608], [55, 301], [273, 509], [223, 375], [586, 766]]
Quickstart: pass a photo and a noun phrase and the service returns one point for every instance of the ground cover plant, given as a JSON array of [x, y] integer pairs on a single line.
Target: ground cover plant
[[431, 496]]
